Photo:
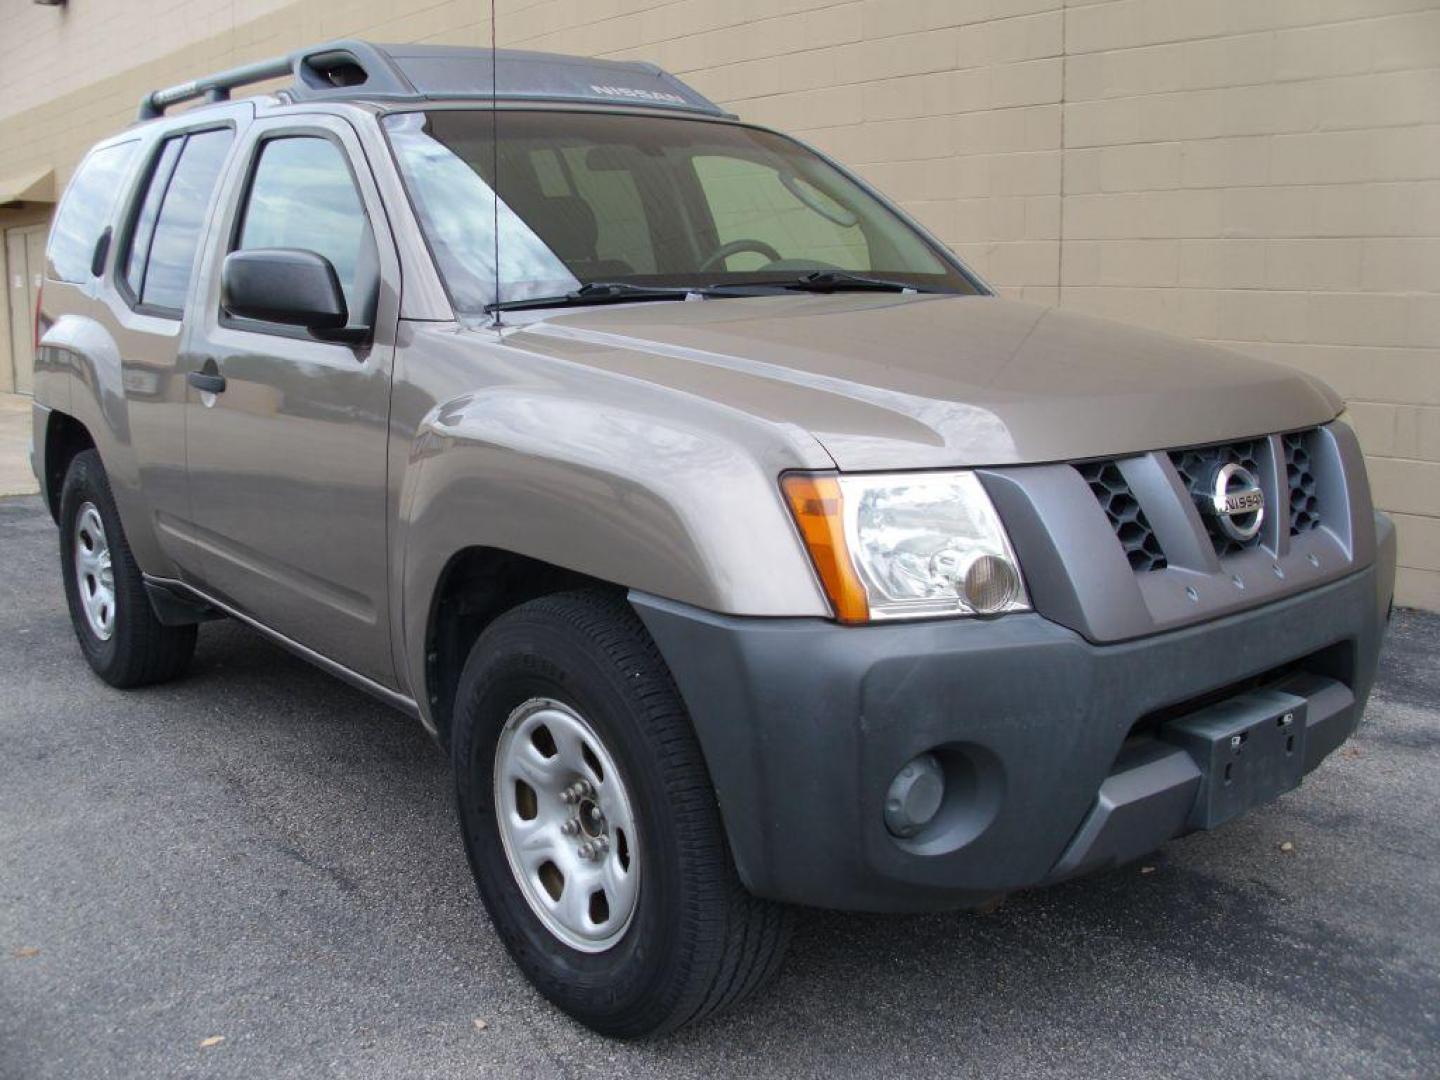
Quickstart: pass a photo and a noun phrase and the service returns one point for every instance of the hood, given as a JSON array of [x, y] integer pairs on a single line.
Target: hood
[[926, 381]]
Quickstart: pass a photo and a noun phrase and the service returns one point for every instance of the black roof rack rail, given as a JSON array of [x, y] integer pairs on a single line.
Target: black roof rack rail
[[360, 70]]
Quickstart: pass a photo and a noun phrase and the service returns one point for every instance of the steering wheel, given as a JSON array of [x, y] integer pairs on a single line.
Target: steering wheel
[[735, 247]]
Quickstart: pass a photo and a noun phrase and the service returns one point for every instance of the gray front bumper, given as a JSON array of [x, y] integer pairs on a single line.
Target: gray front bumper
[[804, 722]]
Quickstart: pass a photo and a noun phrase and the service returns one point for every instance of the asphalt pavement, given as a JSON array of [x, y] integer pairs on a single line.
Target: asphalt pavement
[[255, 872]]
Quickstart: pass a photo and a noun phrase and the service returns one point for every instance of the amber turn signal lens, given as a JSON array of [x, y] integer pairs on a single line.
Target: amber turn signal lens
[[816, 503]]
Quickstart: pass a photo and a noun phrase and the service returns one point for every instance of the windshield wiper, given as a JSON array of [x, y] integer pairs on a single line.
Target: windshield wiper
[[611, 292], [838, 280], [604, 292]]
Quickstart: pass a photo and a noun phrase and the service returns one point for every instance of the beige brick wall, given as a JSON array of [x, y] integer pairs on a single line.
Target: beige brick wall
[[1262, 173], [1267, 175], [46, 51]]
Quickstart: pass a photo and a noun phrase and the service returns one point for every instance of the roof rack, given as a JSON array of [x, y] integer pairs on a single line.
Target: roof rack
[[360, 70]]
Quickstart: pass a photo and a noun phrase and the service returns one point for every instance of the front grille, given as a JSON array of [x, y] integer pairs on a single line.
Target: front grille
[[1304, 502], [1118, 547], [1197, 470], [1303, 453], [1128, 520]]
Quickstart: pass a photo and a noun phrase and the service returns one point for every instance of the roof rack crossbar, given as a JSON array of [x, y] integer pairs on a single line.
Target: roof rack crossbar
[[213, 88]]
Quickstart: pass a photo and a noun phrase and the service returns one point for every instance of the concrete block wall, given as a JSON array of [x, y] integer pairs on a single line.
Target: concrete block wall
[[48, 52], [1259, 173]]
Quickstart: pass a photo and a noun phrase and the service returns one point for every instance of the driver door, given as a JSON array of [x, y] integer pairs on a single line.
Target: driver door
[[286, 433]]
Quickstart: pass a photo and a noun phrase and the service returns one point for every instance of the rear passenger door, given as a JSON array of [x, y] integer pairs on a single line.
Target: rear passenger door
[[287, 464], [156, 247]]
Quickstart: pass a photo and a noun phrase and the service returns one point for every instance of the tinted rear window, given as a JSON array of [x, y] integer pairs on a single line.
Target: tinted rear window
[[86, 211]]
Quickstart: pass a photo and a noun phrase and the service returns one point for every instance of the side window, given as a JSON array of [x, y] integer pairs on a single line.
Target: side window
[[607, 182], [184, 210], [138, 249], [749, 201], [550, 173], [303, 196], [86, 211], [594, 215]]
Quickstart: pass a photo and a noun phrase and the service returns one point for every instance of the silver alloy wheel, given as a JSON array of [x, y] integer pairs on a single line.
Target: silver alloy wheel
[[94, 576], [566, 824]]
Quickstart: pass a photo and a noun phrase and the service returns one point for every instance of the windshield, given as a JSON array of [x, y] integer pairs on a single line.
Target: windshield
[[643, 200]]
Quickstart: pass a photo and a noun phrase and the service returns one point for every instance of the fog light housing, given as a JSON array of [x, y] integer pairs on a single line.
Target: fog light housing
[[914, 796]]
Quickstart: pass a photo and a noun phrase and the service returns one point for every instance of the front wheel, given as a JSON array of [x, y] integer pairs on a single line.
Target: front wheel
[[591, 824], [117, 629]]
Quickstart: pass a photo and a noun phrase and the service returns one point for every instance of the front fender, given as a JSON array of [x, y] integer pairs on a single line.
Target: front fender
[[680, 502]]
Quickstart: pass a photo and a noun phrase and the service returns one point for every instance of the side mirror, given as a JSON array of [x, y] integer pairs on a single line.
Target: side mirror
[[284, 285]]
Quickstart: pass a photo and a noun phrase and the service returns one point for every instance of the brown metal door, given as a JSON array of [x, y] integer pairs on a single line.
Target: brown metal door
[[24, 267]]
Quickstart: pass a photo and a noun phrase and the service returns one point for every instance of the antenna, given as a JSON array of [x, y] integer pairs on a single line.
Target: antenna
[[499, 322]]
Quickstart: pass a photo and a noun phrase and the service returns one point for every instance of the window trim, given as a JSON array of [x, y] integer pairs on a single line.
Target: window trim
[[137, 205], [241, 206]]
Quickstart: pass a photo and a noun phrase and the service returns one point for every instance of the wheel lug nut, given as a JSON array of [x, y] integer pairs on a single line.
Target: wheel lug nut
[[570, 828], [587, 850]]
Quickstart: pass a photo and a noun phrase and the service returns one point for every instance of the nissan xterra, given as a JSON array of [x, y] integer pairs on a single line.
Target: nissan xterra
[[739, 545]]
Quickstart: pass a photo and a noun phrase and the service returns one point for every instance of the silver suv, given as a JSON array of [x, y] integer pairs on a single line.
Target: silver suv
[[740, 547]]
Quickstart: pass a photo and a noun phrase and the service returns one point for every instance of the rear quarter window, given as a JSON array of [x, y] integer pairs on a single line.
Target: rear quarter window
[[86, 210]]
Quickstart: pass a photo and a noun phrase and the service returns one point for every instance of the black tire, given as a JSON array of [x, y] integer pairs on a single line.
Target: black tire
[[698, 942], [140, 649]]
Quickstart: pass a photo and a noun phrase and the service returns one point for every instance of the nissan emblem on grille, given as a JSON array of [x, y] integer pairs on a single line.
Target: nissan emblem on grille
[[1237, 502]]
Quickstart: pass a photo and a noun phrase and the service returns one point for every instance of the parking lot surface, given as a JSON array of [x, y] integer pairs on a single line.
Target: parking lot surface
[[255, 872]]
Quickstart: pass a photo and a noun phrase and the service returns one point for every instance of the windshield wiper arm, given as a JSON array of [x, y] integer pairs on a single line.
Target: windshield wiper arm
[[610, 292], [601, 292], [836, 280]]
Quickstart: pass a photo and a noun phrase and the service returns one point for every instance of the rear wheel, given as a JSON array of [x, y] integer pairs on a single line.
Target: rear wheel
[[592, 827], [114, 623]]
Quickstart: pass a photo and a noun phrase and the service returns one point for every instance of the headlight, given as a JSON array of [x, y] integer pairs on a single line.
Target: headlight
[[906, 545]]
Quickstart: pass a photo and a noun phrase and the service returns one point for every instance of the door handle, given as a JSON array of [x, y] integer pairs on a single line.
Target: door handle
[[210, 382]]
